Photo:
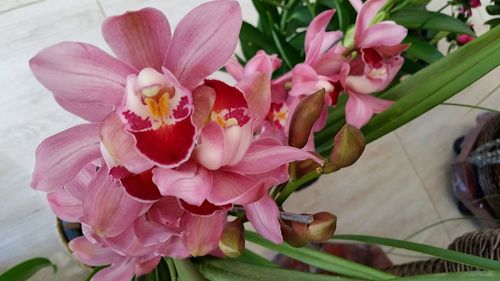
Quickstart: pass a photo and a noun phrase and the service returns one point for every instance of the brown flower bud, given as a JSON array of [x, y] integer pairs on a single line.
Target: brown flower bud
[[320, 229], [232, 242], [305, 115], [348, 145], [304, 167], [290, 236]]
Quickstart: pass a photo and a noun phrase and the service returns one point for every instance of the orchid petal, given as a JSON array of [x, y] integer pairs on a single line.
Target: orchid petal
[[107, 208], [232, 187], [356, 4], [203, 41], [166, 211], [147, 266], [262, 157], [263, 63], [236, 142], [152, 233], [92, 78], [116, 272], [141, 187], [234, 68], [119, 145], [318, 25], [175, 248], [189, 182], [257, 91], [139, 38], [65, 205], [203, 232], [203, 101], [368, 11], [304, 80], [60, 157], [92, 254], [386, 33], [264, 216], [210, 152], [168, 146], [360, 108]]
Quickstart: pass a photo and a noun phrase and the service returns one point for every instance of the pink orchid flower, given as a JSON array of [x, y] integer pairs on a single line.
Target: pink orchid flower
[[139, 101], [229, 166], [379, 48]]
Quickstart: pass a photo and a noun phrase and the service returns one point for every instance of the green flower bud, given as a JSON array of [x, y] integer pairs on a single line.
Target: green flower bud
[[348, 145]]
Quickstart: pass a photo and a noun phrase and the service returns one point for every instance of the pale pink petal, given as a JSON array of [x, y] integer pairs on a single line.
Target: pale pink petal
[[232, 187], [263, 63], [108, 209], [92, 254], [262, 157], [128, 244], [203, 101], [305, 80], [237, 140], [203, 41], [116, 272], [360, 108], [77, 187], [65, 205], [92, 77], [234, 68], [317, 26], [386, 33], [166, 211], [152, 233], [147, 266], [203, 232], [190, 182], [264, 216], [119, 146], [175, 248], [364, 85], [257, 91], [139, 38], [368, 11], [356, 4], [210, 153], [60, 157], [91, 111]]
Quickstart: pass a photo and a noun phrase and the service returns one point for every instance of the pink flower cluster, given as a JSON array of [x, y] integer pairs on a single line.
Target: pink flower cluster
[[167, 152]]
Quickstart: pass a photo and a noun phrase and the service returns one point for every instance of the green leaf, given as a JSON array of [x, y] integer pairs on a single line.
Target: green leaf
[[345, 13], [456, 276], [251, 257], [422, 50], [148, 277], [227, 270], [253, 40], [289, 55], [321, 260], [268, 15], [453, 256], [186, 271], [162, 271], [436, 83], [493, 22], [421, 19], [23, 271]]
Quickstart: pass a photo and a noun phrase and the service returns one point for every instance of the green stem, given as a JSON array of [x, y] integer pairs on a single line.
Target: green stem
[[471, 106], [171, 268], [293, 185]]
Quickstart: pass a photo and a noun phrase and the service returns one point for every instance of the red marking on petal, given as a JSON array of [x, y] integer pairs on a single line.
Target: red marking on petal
[[227, 97], [372, 57], [337, 89], [239, 114], [142, 186], [119, 172], [169, 145], [135, 122], [182, 110], [205, 209]]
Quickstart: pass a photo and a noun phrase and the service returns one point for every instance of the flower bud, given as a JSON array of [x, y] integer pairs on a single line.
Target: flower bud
[[305, 115], [232, 242], [290, 236], [348, 145], [320, 229], [304, 167]]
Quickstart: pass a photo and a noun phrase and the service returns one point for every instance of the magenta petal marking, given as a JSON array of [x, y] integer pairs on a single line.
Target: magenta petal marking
[[140, 38], [60, 157], [141, 186]]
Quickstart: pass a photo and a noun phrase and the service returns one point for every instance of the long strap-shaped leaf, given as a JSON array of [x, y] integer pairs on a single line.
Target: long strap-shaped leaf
[[321, 260], [23, 271], [453, 256], [228, 270], [436, 83], [456, 276]]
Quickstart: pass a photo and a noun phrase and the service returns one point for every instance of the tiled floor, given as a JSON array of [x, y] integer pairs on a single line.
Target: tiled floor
[[400, 185]]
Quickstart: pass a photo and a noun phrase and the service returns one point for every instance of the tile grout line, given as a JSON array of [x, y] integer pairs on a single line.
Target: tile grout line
[[100, 8], [422, 183], [20, 6]]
